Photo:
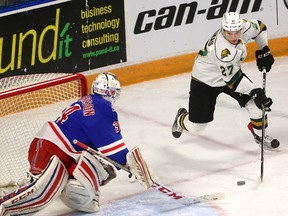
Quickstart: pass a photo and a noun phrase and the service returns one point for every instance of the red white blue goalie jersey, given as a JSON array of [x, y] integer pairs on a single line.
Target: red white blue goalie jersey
[[91, 120]]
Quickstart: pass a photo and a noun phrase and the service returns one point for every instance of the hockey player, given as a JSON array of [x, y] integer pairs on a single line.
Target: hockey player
[[217, 69], [57, 165]]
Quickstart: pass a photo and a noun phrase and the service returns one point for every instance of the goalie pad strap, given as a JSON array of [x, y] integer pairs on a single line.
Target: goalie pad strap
[[35, 196], [138, 167]]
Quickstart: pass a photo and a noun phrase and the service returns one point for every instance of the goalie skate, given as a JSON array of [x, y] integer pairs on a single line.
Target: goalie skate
[[177, 130], [270, 143]]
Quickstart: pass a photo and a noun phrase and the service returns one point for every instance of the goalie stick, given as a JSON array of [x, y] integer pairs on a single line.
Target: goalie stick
[[158, 186]]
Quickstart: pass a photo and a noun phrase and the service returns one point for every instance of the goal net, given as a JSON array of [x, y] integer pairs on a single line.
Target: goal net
[[27, 102]]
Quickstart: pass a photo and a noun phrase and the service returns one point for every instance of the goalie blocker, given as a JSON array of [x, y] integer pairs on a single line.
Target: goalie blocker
[[139, 168]]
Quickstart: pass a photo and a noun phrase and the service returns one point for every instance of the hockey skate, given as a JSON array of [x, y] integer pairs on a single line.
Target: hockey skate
[[177, 130], [270, 143]]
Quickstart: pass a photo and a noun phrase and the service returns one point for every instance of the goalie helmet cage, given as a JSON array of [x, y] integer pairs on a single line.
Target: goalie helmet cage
[[24, 110]]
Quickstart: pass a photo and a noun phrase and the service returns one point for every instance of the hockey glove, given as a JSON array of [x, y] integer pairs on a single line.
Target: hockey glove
[[261, 99], [264, 59]]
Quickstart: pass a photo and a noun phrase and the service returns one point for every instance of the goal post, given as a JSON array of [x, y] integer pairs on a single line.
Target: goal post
[[23, 112]]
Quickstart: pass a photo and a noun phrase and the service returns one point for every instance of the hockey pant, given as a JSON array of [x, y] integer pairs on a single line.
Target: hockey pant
[[42, 150]]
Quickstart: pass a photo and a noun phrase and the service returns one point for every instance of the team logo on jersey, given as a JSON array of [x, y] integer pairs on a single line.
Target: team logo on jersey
[[116, 126], [225, 53]]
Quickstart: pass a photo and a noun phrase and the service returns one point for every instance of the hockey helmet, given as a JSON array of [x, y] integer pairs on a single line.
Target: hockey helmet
[[107, 85], [231, 21]]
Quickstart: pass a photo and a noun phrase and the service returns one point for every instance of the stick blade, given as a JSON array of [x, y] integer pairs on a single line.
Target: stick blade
[[202, 199]]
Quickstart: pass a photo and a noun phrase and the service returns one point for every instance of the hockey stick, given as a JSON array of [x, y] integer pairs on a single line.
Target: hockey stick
[[263, 127], [158, 186]]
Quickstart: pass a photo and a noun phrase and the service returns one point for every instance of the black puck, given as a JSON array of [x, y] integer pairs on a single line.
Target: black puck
[[239, 183], [275, 143]]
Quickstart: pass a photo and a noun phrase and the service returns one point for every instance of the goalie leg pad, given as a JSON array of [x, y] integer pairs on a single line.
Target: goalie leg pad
[[138, 167], [76, 196], [36, 195], [80, 192], [90, 172]]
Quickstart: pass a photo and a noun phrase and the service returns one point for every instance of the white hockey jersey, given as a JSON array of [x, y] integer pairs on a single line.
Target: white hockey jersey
[[219, 62]]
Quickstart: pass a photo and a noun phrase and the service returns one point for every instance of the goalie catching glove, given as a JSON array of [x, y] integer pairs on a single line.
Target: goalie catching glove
[[139, 168]]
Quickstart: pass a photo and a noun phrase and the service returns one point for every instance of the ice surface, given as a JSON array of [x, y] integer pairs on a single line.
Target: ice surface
[[195, 165]]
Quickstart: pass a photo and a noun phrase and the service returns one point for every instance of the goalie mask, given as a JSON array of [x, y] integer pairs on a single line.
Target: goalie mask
[[107, 85], [231, 21]]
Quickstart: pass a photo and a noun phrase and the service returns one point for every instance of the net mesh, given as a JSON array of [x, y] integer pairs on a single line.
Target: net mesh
[[13, 82], [22, 116]]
